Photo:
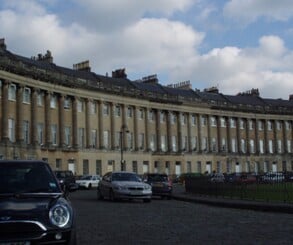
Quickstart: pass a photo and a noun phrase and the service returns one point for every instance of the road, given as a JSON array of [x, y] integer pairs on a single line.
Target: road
[[174, 222]]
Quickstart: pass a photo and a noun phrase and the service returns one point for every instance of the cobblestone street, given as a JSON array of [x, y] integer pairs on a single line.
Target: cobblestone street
[[175, 222]]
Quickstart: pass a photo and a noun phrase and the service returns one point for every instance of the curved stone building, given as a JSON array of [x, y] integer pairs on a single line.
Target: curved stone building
[[89, 123]]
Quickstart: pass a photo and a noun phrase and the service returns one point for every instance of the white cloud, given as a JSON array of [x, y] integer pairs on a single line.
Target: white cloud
[[248, 11], [266, 67], [150, 45], [112, 15], [272, 46]]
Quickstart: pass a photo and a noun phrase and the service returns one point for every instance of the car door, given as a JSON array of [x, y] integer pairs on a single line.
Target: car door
[[105, 184], [94, 181]]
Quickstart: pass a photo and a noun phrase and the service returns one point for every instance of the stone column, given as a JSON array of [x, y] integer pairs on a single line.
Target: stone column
[[19, 114], [146, 128], [135, 136], [247, 136], [189, 148], [34, 129], [74, 123], [266, 142], [199, 134], [284, 137], [112, 127], [256, 137], [228, 124], [209, 133], [158, 130], [275, 150], [48, 140], [4, 127], [169, 132], [238, 120], [87, 122], [219, 135], [100, 121], [61, 120], [179, 131]]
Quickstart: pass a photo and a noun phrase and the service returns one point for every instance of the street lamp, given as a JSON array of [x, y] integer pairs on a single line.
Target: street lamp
[[124, 130]]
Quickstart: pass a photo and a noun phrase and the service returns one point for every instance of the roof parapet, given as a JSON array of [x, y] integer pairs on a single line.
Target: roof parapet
[[291, 97]]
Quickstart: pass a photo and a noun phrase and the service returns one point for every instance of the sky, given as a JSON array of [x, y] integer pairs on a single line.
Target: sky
[[234, 45]]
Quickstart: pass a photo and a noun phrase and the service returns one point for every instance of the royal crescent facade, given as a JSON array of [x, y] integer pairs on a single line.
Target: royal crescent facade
[[91, 124]]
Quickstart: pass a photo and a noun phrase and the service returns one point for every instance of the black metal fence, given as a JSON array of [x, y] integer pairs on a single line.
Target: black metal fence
[[262, 188]]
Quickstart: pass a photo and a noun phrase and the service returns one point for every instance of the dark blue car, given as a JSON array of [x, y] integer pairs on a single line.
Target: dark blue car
[[33, 207]]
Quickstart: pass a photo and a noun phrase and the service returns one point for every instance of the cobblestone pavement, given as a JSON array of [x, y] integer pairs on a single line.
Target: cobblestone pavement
[[175, 222]]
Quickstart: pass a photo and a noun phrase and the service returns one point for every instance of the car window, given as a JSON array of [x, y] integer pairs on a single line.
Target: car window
[[26, 177], [125, 177], [86, 177], [158, 178]]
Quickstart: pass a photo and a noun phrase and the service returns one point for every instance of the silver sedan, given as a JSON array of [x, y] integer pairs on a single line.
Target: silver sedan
[[123, 185]]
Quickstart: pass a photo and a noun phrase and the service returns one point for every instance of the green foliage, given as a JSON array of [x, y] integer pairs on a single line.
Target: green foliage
[[267, 192]]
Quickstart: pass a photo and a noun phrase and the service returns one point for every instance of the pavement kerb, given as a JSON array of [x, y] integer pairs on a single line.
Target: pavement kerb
[[235, 203]]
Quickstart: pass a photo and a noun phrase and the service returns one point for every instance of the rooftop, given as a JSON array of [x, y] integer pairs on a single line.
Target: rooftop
[[148, 88]]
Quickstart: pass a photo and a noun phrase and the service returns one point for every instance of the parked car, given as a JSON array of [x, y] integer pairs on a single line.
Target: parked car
[[217, 178], [161, 184], [88, 181], [273, 177], [123, 185], [289, 176], [66, 179], [33, 207]]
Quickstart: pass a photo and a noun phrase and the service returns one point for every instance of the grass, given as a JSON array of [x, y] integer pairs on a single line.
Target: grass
[[266, 192]]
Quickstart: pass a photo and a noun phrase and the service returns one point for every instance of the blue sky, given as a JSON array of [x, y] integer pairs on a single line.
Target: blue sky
[[235, 45]]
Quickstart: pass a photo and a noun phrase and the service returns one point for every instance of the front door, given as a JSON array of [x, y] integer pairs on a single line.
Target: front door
[[71, 167]]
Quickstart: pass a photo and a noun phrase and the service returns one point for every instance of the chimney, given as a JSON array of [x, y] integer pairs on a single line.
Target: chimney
[[119, 73], [151, 79], [82, 66], [214, 90], [181, 85], [291, 97], [2, 44], [46, 58]]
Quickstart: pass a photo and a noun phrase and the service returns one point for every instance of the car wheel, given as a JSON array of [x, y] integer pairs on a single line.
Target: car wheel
[[147, 200], [99, 195], [112, 196], [89, 186]]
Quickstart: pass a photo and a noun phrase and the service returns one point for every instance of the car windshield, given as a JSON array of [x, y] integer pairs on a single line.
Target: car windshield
[[125, 177], [159, 178], [62, 174], [26, 176], [86, 177]]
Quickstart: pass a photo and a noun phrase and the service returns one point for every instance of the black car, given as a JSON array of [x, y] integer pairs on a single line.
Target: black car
[[66, 179], [33, 207], [160, 183]]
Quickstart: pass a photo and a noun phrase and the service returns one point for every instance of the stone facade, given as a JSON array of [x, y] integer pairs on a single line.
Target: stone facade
[[88, 126]]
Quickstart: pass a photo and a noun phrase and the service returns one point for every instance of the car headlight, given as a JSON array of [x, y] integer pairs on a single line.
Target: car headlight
[[59, 215], [147, 187]]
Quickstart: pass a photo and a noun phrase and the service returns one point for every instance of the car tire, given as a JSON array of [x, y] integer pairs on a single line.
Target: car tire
[[147, 200], [112, 196], [89, 186], [99, 195]]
